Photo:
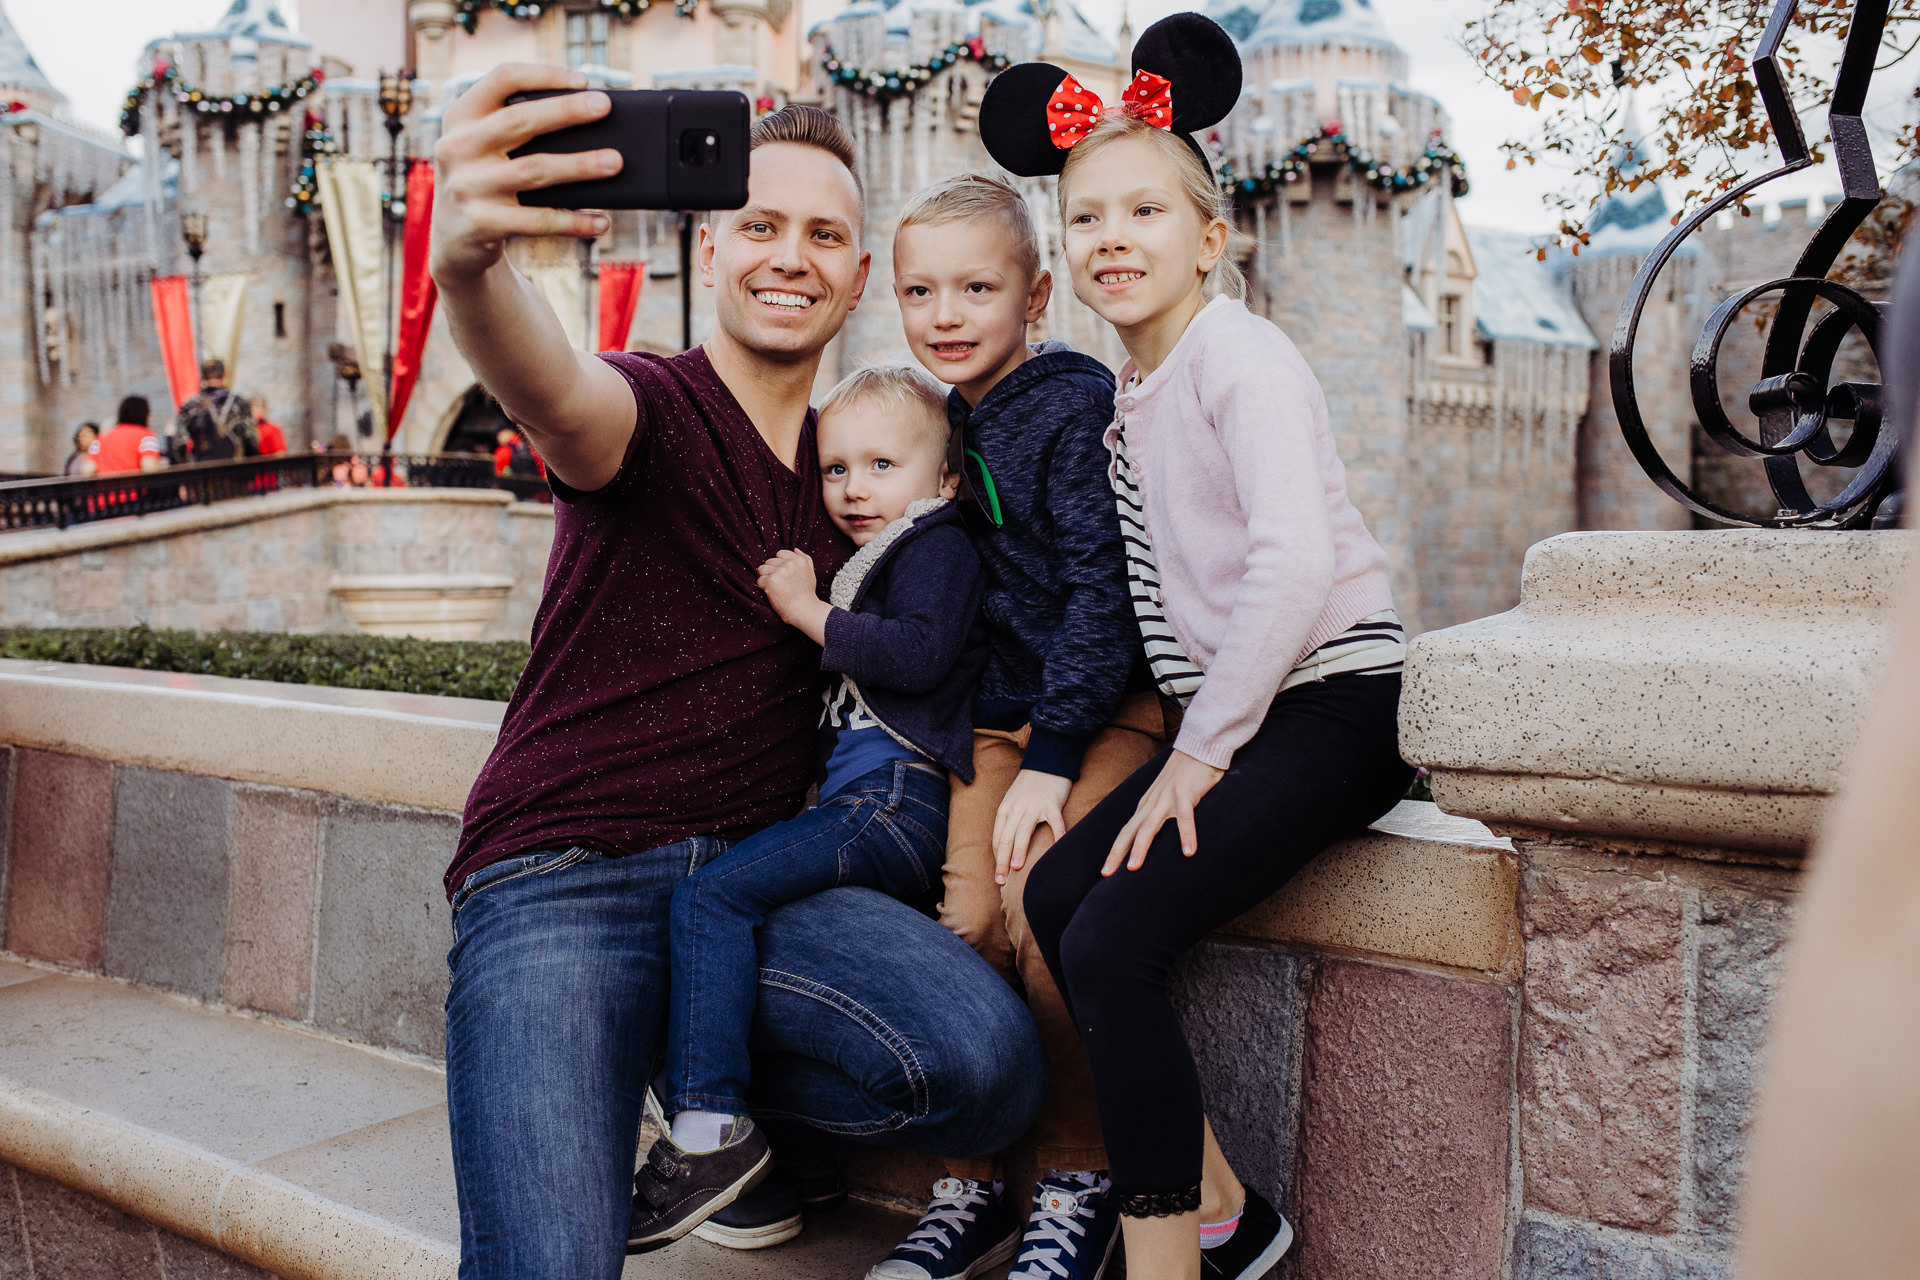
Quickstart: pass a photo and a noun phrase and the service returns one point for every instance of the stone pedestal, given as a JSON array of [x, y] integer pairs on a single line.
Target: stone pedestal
[[426, 606], [1659, 727]]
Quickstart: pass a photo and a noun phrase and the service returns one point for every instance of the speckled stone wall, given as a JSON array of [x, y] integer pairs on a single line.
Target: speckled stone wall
[[317, 908], [1647, 987]]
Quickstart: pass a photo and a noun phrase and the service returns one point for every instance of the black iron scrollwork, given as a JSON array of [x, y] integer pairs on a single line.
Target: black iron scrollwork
[[1794, 401]]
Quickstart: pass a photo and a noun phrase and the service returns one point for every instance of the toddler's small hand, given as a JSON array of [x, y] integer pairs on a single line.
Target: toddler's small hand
[[790, 584]]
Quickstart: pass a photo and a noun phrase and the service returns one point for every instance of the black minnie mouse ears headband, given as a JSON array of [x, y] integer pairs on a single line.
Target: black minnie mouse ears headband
[[1186, 78]]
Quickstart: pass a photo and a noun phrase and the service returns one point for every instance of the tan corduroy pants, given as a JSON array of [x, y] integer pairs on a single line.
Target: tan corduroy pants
[[991, 920]]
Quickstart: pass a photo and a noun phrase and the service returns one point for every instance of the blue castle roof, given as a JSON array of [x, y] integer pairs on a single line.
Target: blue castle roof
[[1301, 22], [18, 70]]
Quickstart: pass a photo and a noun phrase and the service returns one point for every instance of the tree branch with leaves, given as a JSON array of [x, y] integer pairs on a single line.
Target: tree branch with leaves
[[1702, 128]]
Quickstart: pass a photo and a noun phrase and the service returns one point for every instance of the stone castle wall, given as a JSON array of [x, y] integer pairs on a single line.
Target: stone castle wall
[[268, 564], [1336, 294]]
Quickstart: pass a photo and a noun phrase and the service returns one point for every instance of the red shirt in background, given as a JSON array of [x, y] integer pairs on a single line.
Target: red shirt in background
[[121, 449], [273, 441]]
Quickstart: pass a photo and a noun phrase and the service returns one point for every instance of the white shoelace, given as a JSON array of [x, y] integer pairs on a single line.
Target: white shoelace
[[955, 1201], [1052, 1231]]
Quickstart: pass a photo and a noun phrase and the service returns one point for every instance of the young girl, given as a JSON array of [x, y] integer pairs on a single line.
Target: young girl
[[1265, 608]]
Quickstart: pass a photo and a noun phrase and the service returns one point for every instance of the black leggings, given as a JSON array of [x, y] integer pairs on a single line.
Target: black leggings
[[1322, 766]]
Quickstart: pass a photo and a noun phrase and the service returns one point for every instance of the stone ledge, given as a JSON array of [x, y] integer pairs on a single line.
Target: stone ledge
[[46, 544], [310, 1158], [1695, 688], [387, 748], [1422, 885]]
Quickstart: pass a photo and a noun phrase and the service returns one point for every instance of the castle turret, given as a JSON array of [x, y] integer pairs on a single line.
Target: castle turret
[[20, 76], [1626, 226]]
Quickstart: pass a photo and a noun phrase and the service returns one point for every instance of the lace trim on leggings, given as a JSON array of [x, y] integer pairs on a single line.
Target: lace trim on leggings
[[1159, 1204]]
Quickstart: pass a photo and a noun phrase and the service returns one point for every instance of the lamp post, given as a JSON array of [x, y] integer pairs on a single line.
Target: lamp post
[[193, 229], [396, 100]]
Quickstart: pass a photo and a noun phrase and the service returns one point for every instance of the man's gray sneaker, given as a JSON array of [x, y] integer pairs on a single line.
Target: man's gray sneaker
[[966, 1232], [675, 1191]]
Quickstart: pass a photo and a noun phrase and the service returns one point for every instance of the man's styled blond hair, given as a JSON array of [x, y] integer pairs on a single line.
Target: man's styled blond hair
[[899, 387], [978, 195]]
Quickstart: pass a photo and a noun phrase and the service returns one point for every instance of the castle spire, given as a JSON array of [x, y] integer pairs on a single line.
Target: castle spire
[[18, 70], [254, 18]]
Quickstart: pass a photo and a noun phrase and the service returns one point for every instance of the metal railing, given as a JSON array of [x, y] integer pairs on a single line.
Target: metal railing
[[1795, 402], [60, 501]]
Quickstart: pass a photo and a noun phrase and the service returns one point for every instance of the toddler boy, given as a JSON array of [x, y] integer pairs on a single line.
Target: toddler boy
[[897, 630]]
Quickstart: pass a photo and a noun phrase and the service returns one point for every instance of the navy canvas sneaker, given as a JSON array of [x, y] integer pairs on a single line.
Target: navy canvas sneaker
[[767, 1215], [966, 1232], [1071, 1235], [1255, 1247]]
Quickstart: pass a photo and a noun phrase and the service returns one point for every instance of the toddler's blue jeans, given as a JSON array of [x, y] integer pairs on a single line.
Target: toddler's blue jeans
[[886, 830]]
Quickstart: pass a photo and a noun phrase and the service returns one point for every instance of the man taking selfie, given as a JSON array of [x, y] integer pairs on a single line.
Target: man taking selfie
[[667, 711]]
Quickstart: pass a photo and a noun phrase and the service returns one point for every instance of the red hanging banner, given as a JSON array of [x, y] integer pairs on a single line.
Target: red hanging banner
[[619, 298], [173, 322], [417, 293]]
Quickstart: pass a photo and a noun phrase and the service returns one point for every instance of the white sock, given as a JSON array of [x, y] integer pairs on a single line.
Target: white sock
[[700, 1130]]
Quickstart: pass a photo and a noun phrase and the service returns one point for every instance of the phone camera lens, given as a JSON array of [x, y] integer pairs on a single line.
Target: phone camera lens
[[699, 149]]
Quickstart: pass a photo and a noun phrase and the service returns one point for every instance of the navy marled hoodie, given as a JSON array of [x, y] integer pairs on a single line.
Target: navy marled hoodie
[[1061, 636]]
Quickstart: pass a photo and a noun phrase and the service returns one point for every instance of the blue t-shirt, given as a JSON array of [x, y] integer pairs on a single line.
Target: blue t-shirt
[[858, 744]]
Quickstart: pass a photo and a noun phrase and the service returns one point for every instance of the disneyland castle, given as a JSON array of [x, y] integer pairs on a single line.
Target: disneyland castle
[[1466, 376]]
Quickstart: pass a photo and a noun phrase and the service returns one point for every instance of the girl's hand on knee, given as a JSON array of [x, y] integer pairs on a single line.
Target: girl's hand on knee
[[1034, 798], [1171, 798]]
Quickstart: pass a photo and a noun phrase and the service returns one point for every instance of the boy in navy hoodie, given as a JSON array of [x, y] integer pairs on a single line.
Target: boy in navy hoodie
[[898, 632], [1063, 712]]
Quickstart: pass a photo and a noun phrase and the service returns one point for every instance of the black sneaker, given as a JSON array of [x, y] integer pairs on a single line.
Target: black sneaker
[[675, 1191], [1256, 1245], [966, 1232], [820, 1186], [767, 1215]]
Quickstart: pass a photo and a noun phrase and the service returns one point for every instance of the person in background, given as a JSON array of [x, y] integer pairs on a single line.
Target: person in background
[[272, 440], [83, 437], [513, 456], [217, 423], [130, 446]]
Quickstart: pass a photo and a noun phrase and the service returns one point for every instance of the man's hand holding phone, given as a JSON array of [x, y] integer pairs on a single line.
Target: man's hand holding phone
[[578, 412], [478, 184]]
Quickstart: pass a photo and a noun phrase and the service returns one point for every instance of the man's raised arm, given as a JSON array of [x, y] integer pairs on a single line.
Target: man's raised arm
[[578, 412]]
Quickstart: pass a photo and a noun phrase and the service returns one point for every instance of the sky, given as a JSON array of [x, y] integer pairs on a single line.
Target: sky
[[90, 48]]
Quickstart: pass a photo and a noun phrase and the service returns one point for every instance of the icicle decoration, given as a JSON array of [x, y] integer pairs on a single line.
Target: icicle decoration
[[250, 179]]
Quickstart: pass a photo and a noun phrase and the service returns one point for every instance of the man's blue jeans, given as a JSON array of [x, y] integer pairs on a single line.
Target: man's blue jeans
[[874, 1027], [886, 830]]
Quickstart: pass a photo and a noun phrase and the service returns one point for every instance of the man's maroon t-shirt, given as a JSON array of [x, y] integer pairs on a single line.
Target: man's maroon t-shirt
[[664, 698]]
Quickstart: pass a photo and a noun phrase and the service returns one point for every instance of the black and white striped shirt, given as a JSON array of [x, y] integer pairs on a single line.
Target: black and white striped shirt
[[1375, 645]]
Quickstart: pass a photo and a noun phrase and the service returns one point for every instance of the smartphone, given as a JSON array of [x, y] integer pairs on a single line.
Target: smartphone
[[683, 148]]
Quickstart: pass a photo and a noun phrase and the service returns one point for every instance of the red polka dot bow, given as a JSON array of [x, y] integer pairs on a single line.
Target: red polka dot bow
[[1074, 109]]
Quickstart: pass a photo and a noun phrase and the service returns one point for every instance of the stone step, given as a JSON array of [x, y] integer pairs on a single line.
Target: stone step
[[307, 1157]]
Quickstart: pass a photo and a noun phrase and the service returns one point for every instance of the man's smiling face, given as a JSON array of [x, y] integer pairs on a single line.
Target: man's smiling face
[[788, 267]]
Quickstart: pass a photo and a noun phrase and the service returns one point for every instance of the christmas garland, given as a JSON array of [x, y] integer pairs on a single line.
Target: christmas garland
[[468, 11], [885, 86], [11, 108], [1439, 158], [316, 141], [244, 106]]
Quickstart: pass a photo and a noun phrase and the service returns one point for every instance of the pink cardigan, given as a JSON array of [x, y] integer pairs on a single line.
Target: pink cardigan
[[1262, 558]]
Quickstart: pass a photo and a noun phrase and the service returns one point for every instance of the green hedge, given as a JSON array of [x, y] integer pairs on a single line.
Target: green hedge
[[454, 668]]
